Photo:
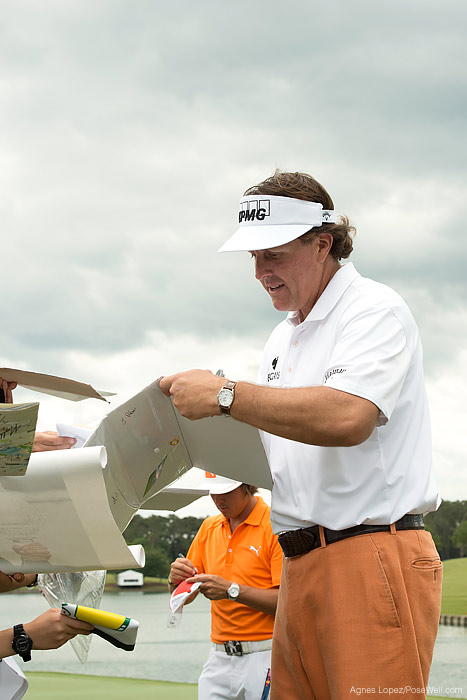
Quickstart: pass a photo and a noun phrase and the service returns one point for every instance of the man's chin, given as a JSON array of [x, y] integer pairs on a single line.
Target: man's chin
[[280, 304]]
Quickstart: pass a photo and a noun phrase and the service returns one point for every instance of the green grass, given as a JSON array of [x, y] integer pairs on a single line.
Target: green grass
[[56, 686], [454, 600]]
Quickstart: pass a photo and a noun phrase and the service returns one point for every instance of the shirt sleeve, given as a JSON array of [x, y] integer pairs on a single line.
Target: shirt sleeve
[[195, 554], [371, 359]]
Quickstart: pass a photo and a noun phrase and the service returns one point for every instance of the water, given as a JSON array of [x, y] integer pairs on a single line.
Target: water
[[178, 654]]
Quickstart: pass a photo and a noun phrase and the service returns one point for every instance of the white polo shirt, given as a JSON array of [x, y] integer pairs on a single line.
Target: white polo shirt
[[361, 338]]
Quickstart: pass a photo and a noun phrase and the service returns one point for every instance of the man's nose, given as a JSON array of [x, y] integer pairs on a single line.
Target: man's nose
[[261, 269]]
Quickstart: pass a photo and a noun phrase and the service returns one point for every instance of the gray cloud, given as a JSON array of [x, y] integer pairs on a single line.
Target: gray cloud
[[129, 131]]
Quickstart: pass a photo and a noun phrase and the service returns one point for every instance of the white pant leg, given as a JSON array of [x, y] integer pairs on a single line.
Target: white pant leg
[[13, 683], [234, 677]]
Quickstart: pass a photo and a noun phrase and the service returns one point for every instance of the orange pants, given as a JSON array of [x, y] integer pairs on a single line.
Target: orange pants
[[358, 619]]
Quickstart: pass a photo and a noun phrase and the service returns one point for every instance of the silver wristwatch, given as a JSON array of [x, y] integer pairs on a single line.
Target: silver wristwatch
[[233, 591]]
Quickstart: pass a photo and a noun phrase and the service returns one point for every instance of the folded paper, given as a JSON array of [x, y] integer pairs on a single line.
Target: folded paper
[[57, 518], [150, 445], [55, 386]]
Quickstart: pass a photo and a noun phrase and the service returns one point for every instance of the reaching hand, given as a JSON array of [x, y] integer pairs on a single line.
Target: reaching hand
[[7, 388], [33, 551], [14, 581], [49, 440], [181, 569], [52, 629]]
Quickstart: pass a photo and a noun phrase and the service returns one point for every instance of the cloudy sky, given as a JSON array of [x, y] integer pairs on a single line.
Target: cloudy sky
[[128, 131]]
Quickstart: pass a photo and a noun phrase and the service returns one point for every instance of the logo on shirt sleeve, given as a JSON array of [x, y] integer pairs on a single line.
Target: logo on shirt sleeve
[[331, 372], [275, 374]]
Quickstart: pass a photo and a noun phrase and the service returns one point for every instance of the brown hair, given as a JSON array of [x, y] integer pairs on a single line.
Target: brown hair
[[303, 186], [249, 490]]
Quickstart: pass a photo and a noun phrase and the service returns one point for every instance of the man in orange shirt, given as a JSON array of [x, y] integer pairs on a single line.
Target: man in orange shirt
[[238, 561]]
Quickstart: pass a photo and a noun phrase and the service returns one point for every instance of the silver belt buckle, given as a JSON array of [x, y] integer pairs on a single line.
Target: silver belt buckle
[[233, 648]]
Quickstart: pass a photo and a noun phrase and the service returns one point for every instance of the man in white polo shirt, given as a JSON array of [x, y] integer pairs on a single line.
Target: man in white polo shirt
[[343, 414]]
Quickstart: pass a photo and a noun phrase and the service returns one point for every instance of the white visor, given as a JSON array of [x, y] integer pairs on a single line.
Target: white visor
[[219, 484], [267, 221]]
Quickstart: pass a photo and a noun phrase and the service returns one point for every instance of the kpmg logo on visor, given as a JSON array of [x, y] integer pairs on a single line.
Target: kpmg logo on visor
[[254, 209]]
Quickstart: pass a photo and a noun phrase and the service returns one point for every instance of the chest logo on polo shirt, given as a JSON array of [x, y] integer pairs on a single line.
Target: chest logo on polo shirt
[[275, 374], [255, 550]]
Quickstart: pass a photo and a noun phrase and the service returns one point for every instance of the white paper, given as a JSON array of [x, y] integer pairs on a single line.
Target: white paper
[[80, 432], [145, 451], [57, 519], [227, 447], [173, 498], [149, 446]]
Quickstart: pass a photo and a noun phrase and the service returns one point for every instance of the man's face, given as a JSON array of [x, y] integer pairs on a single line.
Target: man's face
[[293, 274], [231, 504]]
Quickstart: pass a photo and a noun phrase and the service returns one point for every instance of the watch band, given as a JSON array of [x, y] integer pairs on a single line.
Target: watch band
[[22, 643]]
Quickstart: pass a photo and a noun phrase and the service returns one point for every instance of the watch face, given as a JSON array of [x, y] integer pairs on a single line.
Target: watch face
[[22, 643], [225, 397], [233, 591]]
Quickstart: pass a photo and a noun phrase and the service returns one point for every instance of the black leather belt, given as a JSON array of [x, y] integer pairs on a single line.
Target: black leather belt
[[296, 542]]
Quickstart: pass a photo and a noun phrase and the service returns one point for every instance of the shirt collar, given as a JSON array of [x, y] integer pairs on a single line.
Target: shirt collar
[[336, 287], [255, 516]]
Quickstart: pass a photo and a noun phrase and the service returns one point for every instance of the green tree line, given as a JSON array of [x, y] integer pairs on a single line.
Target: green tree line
[[448, 526], [165, 538]]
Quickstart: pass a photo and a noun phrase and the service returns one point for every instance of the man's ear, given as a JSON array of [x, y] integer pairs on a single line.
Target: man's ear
[[325, 241]]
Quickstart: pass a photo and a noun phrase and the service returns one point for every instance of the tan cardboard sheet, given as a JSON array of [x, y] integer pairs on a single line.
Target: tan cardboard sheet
[[49, 384]]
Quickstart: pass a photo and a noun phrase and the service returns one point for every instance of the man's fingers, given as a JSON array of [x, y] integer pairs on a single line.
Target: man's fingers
[[165, 384], [49, 440]]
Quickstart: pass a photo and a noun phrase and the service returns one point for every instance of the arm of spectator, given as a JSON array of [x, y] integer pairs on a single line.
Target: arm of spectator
[[50, 440], [14, 581], [7, 388], [216, 587], [48, 631]]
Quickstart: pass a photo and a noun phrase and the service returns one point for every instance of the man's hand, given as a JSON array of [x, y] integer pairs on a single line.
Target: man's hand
[[14, 581], [49, 440], [181, 569], [33, 551], [194, 392], [7, 388], [52, 629], [212, 587]]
